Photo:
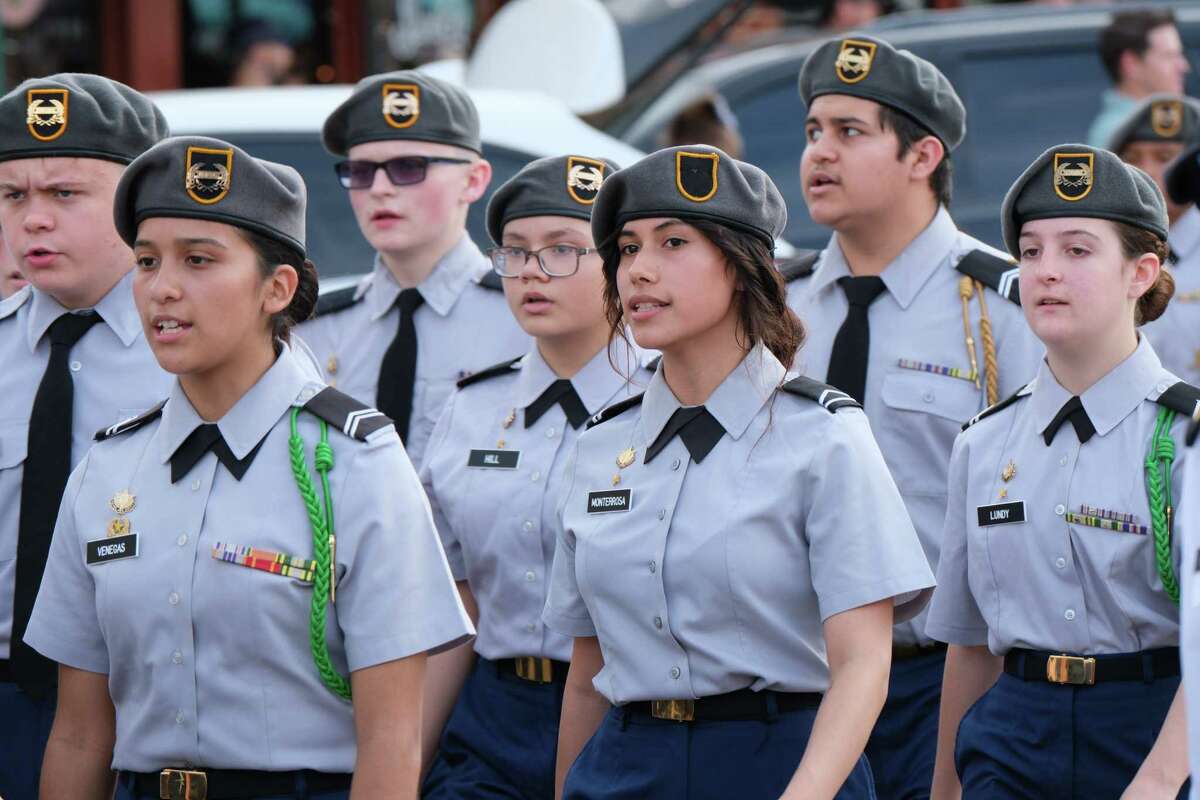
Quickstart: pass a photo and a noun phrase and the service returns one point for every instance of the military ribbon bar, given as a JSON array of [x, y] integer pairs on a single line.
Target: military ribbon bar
[[302, 569], [1107, 520], [937, 369]]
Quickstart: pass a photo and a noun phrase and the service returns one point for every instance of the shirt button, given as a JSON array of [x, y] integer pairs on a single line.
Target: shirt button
[[528, 525], [658, 622], [182, 540], [536, 476], [662, 513], [179, 717], [927, 397], [653, 567], [529, 576], [196, 485], [76, 366], [1059, 509], [1069, 614], [173, 598], [177, 657], [1060, 562], [1063, 461], [674, 672], [531, 627], [550, 433], [675, 464]]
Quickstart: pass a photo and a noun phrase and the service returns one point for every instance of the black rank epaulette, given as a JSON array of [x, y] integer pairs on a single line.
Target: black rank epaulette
[[800, 266], [616, 408], [491, 280], [494, 371], [823, 394], [993, 272], [336, 300], [1180, 397], [342, 411], [131, 424], [998, 406]]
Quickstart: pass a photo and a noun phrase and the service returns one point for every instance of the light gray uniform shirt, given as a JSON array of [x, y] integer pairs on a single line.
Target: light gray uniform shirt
[[917, 323], [720, 574], [1056, 573], [462, 327], [1176, 334], [208, 660], [1188, 528], [115, 377], [498, 517]]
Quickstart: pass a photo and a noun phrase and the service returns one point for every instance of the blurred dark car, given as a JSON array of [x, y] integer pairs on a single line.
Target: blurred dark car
[[1030, 77]]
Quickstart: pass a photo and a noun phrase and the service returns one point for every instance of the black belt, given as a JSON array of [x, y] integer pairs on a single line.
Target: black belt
[[5, 671], [743, 704], [1148, 665], [534, 669], [905, 652], [230, 784]]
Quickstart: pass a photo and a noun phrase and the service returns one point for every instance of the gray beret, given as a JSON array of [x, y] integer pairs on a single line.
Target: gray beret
[[1074, 180], [862, 66], [78, 115], [1159, 118], [403, 105], [1183, 177], [690, 182], [562, 186], [194, 177]]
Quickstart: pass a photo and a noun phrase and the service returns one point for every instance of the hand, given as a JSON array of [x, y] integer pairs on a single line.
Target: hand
[[1151, 787]]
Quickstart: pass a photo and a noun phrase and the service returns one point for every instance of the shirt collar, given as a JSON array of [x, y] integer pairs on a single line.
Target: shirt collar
[[734, 403], [1184, 235], [288, 382], [909, 271], [116, 310], [1110, 399], [595, 383], [463, 264]]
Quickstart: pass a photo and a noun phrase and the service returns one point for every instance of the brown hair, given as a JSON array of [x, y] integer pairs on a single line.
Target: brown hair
[[1136, 242], [1129, 31], [763, 313], [270, 254], [908, 131]]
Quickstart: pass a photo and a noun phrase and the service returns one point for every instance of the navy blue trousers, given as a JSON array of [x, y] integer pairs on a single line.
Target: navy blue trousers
[[500, 741], [635, 757], [24, 728], [1036, 740], [124, 792], [903, 744]]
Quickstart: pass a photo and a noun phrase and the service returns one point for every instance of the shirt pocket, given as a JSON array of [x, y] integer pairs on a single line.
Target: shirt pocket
[[927, 393], [14, 440], [922, 415]]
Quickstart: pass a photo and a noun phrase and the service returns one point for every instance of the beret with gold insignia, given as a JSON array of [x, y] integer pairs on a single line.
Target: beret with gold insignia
[[689, 182], [862, 66], [194, 177], [560, 186], [1183, 176], [1074, 180], [403, 105], [78, 115], [1159, 118]]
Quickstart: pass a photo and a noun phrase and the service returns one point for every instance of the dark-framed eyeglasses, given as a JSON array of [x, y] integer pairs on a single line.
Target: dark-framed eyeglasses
[[556, 260], [402, 171]]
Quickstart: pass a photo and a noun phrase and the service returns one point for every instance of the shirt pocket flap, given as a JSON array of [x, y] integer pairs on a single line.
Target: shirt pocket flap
[[928, 393], [14, 440]]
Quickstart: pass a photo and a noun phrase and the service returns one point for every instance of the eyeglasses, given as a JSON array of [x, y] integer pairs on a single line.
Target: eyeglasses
[[402, 171], [556, 260]]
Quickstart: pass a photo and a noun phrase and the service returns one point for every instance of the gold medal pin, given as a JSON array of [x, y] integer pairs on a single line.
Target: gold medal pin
[[624, 459]]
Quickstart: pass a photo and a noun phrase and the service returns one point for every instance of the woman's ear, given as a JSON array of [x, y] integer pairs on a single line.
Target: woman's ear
[[1145, 272], [279, 288]]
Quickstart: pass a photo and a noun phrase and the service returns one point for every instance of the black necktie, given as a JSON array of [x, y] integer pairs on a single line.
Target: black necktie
[[200, 441], [398, 372], [852, 345], [698, 429], [563, 393], [47, 466], [1072, 410]]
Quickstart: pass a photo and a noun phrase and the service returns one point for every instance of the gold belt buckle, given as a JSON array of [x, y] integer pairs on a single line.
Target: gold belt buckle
[[675, 710], [537, 670], [1073, 670], [182, 784]]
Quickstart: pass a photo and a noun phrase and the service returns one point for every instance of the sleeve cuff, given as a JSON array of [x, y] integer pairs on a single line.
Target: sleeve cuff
[[567, 625], [962, 635], [900, 586]]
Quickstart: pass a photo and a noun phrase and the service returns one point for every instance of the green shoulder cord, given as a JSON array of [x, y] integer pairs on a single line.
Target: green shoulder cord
[[320, 516], [1158, 492]]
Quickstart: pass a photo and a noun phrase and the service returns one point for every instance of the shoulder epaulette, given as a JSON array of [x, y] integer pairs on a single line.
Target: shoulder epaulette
[[999, 406], [10, 304], [823, 394], [1180, 397], [652, 364], [993, 272], [503, 368], [616, 408], [342, 411], [491, 280], [337, 300], [800, 266], [131, 424]]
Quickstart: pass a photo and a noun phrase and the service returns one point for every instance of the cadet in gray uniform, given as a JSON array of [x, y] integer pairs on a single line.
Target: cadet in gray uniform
[[913, 318], [708, 567], [1153, 135], [1058, 565], [494, 471], [403, 336], [244, 581], [71, 348], [1189, 618]]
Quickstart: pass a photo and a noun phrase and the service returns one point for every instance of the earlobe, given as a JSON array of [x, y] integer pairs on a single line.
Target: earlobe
[[281, 288]]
